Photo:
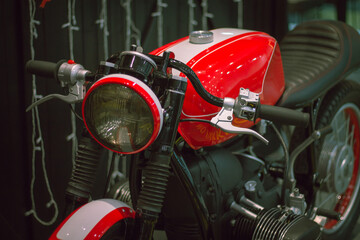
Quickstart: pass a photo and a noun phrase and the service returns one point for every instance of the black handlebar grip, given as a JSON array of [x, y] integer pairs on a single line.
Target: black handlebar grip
[[43, 68], [283, 115]]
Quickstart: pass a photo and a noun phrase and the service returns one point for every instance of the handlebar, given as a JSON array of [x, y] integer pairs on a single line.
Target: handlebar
[[283, 115], [191, 75], [268, 112], [69, 74], [44, 68]]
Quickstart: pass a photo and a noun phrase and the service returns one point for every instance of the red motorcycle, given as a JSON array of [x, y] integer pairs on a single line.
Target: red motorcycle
[[228, 137]]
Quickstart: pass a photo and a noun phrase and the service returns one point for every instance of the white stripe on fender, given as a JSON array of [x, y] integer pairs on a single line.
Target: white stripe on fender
[[185, 51], [84, 220]]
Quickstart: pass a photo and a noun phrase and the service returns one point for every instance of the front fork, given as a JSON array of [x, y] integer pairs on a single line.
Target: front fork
[[157, 169]]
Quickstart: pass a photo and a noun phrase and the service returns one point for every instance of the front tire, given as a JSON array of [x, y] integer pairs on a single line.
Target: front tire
[[122, 230], [338, 163]]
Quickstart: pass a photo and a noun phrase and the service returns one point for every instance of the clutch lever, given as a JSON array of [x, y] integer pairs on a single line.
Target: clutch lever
[[224, 118], [76, 94], [69, 74]]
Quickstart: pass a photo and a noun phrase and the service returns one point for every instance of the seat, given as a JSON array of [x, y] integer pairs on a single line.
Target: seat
[[316, 55]]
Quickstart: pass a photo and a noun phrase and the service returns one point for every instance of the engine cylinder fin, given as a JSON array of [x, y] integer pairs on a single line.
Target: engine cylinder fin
[[274, 224], [244, 228], [120, 191]]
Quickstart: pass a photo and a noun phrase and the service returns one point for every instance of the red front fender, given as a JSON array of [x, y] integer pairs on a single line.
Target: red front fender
[[92, 220]]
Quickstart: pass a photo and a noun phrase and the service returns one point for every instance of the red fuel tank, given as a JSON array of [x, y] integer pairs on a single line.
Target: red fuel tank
[[234, 59]]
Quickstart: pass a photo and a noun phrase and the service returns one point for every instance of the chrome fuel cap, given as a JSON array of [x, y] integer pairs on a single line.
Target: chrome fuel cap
[[201, 37]]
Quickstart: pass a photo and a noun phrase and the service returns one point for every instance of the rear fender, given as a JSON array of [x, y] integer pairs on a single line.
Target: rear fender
[[92, 220]]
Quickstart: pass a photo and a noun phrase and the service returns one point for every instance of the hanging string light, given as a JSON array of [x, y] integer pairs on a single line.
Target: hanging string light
[[131, 30], [103, 24], [192, 21], [240, 3], [71, 25], [206, 14], [37, 140], [160, 24]]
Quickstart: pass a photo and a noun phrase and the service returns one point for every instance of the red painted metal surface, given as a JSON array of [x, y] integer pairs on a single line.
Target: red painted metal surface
[[108, 221], [244, 59], [78, 226]]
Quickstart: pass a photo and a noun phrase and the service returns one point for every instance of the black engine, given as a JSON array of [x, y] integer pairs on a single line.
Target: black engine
[[223, 179]]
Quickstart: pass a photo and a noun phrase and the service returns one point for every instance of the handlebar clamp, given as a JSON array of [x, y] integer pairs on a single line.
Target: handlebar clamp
[[246, 104], [223, 120]]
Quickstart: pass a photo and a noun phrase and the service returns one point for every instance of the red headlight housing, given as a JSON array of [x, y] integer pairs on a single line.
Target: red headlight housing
[[122, 113]]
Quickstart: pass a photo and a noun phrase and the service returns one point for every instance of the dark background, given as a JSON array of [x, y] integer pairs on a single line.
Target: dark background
[[52, 44]]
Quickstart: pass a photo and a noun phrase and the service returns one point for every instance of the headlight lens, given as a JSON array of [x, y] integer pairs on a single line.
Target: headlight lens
[[122, 113]]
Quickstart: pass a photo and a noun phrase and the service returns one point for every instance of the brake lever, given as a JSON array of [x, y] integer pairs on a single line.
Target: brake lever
[[224, 118], [72, 76], [76, 94]]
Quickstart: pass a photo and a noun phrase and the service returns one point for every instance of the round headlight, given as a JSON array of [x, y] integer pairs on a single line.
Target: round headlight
[[122, 113]]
